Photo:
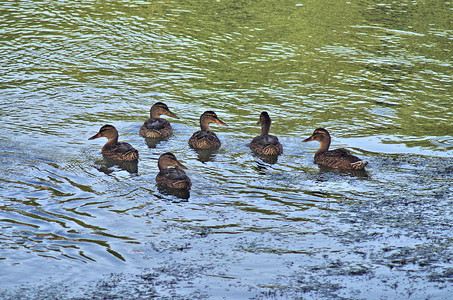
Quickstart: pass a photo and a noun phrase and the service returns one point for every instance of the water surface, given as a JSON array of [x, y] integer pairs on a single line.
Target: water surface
[[378, 76]]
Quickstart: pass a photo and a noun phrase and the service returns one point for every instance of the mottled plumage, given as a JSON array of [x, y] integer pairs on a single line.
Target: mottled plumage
[[266, 144], [155, 126], [173, 178], [338, 158], [205, 139], [113, 149]]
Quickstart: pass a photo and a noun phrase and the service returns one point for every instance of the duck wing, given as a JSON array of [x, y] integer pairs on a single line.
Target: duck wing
[[266, 144], [156, 123], [266, 140], [204, 140], [201, 134], [173, 178], [340, 158], [124, 148], [120, 151], [174, 174], [340, 152]]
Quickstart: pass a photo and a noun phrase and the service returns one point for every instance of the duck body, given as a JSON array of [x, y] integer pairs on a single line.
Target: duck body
[[155, 126], [113, 149], [172, 178], [266, 144], [204, 138], [338, 158]]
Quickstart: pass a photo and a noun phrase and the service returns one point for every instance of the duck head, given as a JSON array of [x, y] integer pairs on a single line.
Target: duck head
[[159, 109], [169, 159]]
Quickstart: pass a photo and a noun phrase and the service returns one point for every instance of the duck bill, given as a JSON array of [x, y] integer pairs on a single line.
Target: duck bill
[[97, 135], [180, 165], [218, 121], [171, 114], [308, 139]]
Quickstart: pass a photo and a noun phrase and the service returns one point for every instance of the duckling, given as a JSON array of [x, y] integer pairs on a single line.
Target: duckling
[[173, 178], [205, 139], [113, 149], [155, 126], [338, 158], [266, 144]]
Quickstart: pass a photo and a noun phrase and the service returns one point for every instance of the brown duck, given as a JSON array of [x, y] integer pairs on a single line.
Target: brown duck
[[174, 178], [205, 139], [266, 144], [338, 158], [113, 149], [155, 126]]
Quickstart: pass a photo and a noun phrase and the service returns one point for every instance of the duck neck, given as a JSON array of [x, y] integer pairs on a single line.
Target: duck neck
[[162, 165], [323, 147], [154, 113], [111, 142], [204, 125], [265, 128]]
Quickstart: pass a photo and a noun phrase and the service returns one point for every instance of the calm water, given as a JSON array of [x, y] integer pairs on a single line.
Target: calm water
[[377, 75]]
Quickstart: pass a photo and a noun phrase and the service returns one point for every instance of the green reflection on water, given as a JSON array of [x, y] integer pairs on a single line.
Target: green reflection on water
[[311, 63]]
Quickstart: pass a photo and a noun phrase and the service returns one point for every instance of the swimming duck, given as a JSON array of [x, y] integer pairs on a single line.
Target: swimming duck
[[155, 126], [338, 158], [113, 149], [174, 178], [266, 144], [205, 139]]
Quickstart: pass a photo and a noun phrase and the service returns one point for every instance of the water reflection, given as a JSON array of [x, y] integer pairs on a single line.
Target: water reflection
[[260, 167], [270, 159], [108, 165], [153, 142], [206, 155], [183, 194]]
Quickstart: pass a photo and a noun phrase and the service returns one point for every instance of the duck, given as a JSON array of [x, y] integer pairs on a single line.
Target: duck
[[266, 144], [113, 149], [173, 178], [338, 158], [204, 138], [155, 126]]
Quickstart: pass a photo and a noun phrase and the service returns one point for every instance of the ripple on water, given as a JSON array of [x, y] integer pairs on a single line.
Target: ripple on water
[[378, 81]]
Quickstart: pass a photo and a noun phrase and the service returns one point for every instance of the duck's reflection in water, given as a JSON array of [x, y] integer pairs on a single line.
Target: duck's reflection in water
[[270, 159], [153, 142], [107, 166], [205, 155], [183, 194]]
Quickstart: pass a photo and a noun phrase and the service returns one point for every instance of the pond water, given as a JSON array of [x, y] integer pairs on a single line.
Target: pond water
[[377, 75]]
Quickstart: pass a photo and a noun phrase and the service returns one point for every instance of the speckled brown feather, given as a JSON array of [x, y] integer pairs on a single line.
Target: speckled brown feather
[[173, 178], [266, 144], [204, 138], [155, 126], [338, 158], [113, 149], [120, 151]]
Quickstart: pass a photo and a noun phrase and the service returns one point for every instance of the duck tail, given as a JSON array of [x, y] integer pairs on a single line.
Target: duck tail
[[271, 150], [359, 165]]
